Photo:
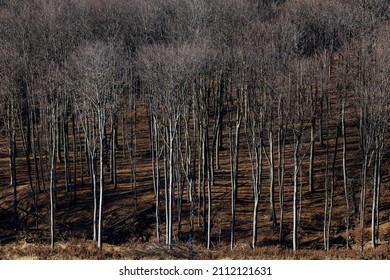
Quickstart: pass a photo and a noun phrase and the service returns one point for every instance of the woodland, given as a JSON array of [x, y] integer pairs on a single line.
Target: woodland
[[187, 126]]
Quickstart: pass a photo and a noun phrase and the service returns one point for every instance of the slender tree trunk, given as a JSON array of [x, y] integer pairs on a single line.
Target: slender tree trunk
[[378, 195], [326, 210], [321, 126], [312, 153], [101, 175], [171, 174], [74, 144], [209, 185], [189, 173], [156, 171], [200, 159], [332, 192], [166, 186], [81, 155], [233, 191], [65, 135], [52, 179], [113, 147], [272, 176], [376, 189], [379, 177], [58, 139], [363, 198], [113, 155], [204, 176], [374, 198], [179, 179], [12, 162], [234, 149], [37, 178], [257, 173], [345, 177], [295, 194], [281, 168], [41, 164], [133, 153]]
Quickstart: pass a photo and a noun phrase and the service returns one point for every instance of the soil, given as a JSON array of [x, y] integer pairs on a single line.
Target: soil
[[129, 214]]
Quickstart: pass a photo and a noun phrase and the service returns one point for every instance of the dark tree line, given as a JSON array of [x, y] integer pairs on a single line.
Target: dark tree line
[[286, 85]]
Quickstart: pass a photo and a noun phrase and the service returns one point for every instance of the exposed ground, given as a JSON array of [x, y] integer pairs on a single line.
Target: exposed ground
[[129, 219]]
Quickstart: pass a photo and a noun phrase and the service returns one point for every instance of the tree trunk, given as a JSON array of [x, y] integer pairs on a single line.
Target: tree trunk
[[256, 188], [272, 176], [234, 149], [363, 198], [52, 178], [156, 171], [326, 210], [312, 153], [345, 178], [281, 168], [295, 194], [74, 158], [101, 175], [171, 174], [65, 135], [376, 188], [12, 162]]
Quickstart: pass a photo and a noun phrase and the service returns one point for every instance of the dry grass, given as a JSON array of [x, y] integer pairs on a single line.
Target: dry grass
[[77, 249]]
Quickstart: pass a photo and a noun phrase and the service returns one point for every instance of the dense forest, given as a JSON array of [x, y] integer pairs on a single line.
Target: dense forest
[[200, 120]]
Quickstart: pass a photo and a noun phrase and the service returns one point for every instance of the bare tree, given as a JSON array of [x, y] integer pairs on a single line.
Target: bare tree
[[102, 75], [297, 107], [168, 73]]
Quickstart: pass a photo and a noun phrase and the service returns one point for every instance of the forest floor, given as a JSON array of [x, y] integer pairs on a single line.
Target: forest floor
[[81, 249], [129, 216]]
